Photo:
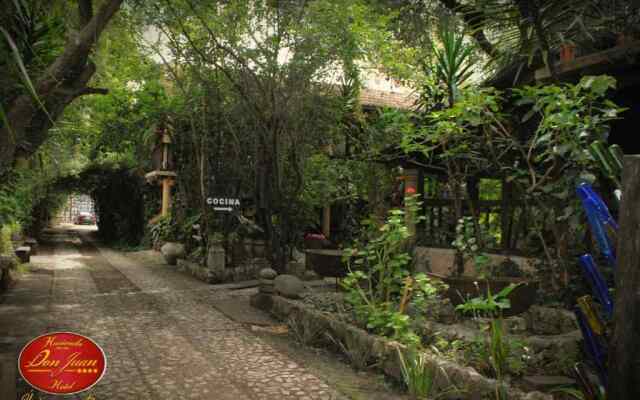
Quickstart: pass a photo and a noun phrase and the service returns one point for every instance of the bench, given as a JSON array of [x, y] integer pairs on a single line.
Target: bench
[[24, 253], [33, 244]]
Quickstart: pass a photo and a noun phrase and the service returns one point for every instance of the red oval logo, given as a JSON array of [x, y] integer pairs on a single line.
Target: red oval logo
[[62, 363]]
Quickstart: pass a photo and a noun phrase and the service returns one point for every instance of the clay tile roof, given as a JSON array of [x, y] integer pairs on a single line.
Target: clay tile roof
[[380, 98]]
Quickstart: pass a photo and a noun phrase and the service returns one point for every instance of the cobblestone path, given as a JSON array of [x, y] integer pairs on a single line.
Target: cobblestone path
[[162, 337]]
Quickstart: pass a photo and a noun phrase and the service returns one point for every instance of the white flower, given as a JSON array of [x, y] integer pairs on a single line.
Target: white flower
[[472, 240], [474, 248]]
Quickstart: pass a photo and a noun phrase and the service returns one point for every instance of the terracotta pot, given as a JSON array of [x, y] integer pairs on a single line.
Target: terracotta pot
[[463, 288]]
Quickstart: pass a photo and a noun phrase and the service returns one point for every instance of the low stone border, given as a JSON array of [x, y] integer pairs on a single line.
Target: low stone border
[[246, 271], [473, 385]]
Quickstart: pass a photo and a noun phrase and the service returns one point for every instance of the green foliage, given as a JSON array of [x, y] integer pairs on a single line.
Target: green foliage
[[31, 36], [469, 246], [330, 180], [305, 330], [541, 148], [453, 65], [6, 231], [495, 353], [571, 117], [359, 356], [420, 374], [162, 230], [379, 284], [20, 192], [491, 305], [501, 354]]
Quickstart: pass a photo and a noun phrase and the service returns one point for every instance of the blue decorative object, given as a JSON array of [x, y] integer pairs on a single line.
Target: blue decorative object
[[599, 218], [598, 284], [595, 349]]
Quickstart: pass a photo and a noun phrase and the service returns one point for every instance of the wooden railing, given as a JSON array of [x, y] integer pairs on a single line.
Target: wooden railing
[[506, 225]]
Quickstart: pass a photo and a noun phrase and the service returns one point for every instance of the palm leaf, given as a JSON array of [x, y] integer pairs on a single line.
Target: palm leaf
[[24, 75], [5, 121]]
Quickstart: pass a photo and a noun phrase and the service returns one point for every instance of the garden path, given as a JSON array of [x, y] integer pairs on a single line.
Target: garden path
[[162, 337]]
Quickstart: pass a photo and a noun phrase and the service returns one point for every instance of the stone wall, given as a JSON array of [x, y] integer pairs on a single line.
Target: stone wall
[[242, 263], [471, 384], [442, 261]]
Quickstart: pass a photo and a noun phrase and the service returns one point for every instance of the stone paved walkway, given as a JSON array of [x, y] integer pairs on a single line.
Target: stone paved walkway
[[162, 337]]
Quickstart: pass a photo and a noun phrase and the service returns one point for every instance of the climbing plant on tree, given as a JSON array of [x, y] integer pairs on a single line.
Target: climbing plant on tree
[[53, 74]]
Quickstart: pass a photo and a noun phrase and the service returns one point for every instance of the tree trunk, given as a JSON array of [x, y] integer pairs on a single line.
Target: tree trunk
[[63, 81], [624, 353]]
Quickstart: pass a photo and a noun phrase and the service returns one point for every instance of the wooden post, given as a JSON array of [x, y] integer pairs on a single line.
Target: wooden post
[[166, 196], [410, 189], [506, 189], [423, 208], [326, 221], [624, 353]]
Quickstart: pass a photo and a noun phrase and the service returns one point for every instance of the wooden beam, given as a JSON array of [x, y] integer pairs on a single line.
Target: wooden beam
[[608, 56], [624, 353]]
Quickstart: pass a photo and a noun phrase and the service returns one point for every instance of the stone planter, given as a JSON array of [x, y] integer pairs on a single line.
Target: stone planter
[[247, 246], [172, 252], [216, 261], [326, 263], [238, 252], [464, 287], [259, 248]]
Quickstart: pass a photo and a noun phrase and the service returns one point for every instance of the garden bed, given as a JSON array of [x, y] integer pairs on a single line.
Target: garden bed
[[324, 314], [547, 339]]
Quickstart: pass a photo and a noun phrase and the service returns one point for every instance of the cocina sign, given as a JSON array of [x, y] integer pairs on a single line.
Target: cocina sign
[[223, 203]]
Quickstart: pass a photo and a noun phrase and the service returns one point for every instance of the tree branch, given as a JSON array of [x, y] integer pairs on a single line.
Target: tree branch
[[85, 9], [71, 71]]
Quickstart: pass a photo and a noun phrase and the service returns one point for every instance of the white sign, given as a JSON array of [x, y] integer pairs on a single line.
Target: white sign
[[223, 203]]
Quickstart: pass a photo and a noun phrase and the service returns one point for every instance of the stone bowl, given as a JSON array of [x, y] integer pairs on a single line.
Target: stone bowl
[[462, 288]]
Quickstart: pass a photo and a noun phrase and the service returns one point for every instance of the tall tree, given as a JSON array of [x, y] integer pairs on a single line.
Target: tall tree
[[27, 117]]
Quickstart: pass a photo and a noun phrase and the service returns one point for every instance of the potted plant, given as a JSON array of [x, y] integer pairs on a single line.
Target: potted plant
[[488, 277]]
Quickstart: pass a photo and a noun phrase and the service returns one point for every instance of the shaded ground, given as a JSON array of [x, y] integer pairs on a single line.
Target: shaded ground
[[163, 337]]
